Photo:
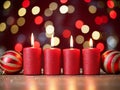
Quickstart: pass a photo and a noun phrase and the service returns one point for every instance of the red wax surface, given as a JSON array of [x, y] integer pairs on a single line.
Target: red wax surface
[[32, 61], [71, 61], [52, 61], [91, 61]]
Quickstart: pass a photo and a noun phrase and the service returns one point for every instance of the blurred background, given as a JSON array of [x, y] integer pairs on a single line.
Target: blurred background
[[83, 19]]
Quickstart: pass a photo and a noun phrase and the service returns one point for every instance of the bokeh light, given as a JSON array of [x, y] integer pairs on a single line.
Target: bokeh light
[[48, 12], [22, 12], [25, 3], [110, 4], [66, 33], [112, 42], [38, 20], [85, 29], [14, 29], [36, 44], [92, 9], [21, 21], [71, 9], [87, 1], [79, 39], [96, 35], [49, 29], [53, 6], [113, 14], [21, 38], [86, 44], [7, 4], [2, 26], [46, 46], [79, 24], [35, 10], [56, 41], [10, 20], [63, 9], [48, 23], [100, 46], [63, 1], [18, 47]]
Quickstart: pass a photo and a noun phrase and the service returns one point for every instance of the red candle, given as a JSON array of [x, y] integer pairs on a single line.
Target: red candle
[[52, 60], [91, 60], [71, 60], [32, 60]]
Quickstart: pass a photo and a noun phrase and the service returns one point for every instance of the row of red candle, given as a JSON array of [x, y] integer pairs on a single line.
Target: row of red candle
[[52, 60]]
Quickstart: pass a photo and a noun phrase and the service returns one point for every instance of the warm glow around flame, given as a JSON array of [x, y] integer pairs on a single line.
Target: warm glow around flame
[[71, 41], [52, 41], [32, 40], [91, 43]]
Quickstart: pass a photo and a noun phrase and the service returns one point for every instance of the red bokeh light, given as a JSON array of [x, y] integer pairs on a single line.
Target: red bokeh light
[[38, 20], [87, 1], [66, 33], [79, 24], [36, 44], [110, 4], [98, 20], [100, 46], [18, 47], [104, 19], [113, 14], [63, 1], [26, 3]]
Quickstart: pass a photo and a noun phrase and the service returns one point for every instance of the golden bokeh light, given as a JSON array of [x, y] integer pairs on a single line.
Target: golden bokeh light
[[85, 29], [14, 29], [35, 10], [79, 39], [46, 46], [7, 4], [49, 35], [53, 6], [56, 41], [48, 12], [10, 20], [49, 29], [48, 23], [63, 9], [22, 12], [2, 26], [96, 35], [92, 9], [86, 44], [71, 9], [21, 21]]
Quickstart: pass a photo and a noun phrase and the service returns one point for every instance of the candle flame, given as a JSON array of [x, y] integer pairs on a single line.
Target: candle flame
[[91, 43], [52, 41], [32, 40], [71, 41]]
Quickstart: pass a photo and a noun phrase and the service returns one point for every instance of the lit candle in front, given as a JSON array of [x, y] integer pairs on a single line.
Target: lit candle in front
[[91, 60], [32, 59], [71, 60], [52, 60]]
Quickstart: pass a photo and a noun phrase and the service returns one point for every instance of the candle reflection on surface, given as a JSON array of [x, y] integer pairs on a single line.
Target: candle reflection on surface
[[31, 84], [90, 84]]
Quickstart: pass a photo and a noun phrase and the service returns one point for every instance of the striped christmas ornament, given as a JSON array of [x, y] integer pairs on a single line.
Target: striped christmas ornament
[[11, 62], [111, 61]]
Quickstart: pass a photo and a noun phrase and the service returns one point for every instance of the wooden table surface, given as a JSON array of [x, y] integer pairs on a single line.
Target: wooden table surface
[[60, 82]]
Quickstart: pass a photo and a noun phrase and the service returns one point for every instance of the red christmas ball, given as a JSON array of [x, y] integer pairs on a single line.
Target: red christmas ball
[[11, 62], [111, 61]]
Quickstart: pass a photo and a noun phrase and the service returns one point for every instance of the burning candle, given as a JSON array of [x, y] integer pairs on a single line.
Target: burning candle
[[91, 60], [71, 60], [52, 60], [32, 60]]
